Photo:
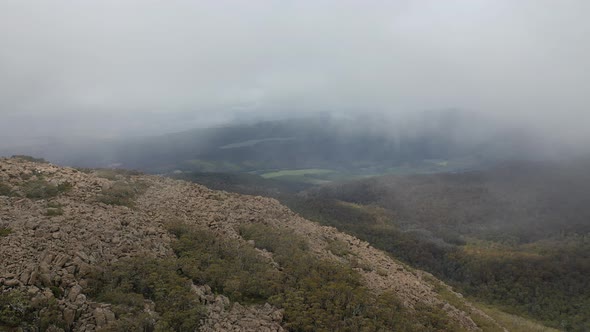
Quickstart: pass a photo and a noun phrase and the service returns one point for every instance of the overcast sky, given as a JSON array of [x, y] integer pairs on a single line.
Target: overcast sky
[[104, 67]]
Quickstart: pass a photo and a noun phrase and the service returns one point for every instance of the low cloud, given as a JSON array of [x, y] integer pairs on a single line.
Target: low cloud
[[140, 67]]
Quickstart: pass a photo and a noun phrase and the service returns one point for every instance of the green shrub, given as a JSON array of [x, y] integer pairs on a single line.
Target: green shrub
[[319, 295], [64, 186], [52, 212], [338, 247], [15, 308], [274, 240], [5, 190], [107, 174], [121, 193], [141, 321], [50, 315], [54, 205], [54, 209], [18, 313], [229, 267], [31, 159], [115, 173], [4, 231], [177, 228], [41, 189], [25, 176], [57, 292], [127, 283]]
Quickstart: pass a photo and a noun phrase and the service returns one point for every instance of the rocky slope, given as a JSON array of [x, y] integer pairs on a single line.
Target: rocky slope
[[57, 224]]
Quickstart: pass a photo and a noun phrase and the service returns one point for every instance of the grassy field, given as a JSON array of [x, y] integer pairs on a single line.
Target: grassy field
[[310, 175], [209, 166], [297, 172], [253, 142]]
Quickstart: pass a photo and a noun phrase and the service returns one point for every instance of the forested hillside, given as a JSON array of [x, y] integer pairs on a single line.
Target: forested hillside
[[516, 236]]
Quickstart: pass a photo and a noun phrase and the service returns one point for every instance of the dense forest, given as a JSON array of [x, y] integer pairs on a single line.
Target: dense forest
[[515, 236]]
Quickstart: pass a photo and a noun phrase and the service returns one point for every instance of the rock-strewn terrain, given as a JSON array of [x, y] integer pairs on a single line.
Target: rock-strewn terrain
[[54, 242]]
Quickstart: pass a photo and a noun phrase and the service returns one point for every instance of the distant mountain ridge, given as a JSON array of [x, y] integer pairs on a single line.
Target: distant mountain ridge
[[436, 141]]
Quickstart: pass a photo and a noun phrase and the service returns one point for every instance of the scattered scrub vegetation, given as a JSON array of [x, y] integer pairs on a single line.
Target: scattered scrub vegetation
[[17, 312], [122, 193], [319, 295], [114, 174], [228, 267], [54, 209], [128, 283], [15, 308], [31, 159], [338, 248], [54, 205], [316, 295], [41, 189], [52, 212], [6, 190], [5, 231]]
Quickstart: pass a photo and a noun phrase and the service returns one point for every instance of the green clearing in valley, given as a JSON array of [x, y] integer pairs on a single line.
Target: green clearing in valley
[[310, 175]]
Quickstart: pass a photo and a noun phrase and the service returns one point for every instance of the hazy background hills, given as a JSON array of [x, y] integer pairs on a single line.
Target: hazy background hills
[[335, 146]]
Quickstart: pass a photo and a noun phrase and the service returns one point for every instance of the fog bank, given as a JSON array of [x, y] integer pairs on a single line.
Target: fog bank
[[110, 68]]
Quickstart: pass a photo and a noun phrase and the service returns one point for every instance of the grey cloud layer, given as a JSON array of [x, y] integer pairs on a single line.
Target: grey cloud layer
[[525, 61]]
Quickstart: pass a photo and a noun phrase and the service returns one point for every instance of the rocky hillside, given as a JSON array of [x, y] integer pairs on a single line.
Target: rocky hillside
[[82, 250]]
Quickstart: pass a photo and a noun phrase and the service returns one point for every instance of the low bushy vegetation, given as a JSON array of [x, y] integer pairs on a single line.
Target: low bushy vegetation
[[115, 173], [122, 193], [31, 159], [319, 295], [17, 313], [128, 283], [41, 189], [6, 190], [228, 267], [316, 295], [54, 209], [243, 183], [338, 248], [15, 309], [52, 212], [5, 231]]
